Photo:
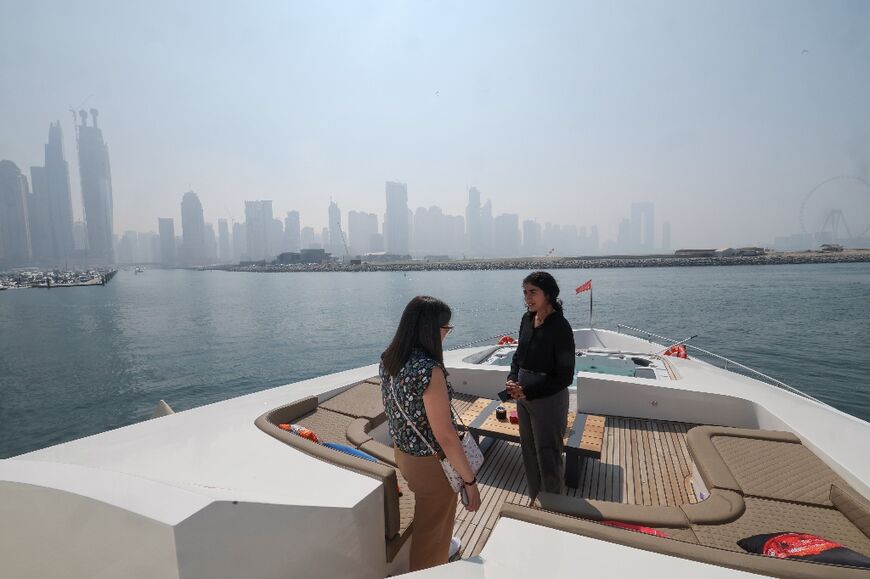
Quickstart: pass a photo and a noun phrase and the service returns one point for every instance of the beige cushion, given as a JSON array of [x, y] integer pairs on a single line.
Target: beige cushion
[[357, 432], [604, 510], [777, 470], [360, 401], [380, 451], [709, 462], [767, 516], [720, 507], [853, 506]]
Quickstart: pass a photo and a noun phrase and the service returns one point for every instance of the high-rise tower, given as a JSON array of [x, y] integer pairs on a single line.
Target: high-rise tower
[[472, 221], [336, 243], [15, 246], [166, 227], [51, 216], [96, 178], [396, 220], [192, 230]]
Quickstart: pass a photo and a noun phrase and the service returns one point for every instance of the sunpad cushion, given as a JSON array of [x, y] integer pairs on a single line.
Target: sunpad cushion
[[777, 470], [362, 400], [803, 546], [759, 514]]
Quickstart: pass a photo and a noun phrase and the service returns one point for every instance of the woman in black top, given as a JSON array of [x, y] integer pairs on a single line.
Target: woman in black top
[[541, 371]]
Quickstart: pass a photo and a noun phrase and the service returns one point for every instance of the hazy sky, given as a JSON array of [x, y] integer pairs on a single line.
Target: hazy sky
[[724, 114]]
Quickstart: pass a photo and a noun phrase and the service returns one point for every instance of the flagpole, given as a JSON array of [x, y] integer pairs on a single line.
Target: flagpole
[[590, 308]]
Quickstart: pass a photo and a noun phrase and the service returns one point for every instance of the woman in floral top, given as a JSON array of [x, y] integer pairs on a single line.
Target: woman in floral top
[[413, 376]]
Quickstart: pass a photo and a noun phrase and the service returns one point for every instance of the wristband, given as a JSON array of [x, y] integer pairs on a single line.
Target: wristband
[[472, 483]]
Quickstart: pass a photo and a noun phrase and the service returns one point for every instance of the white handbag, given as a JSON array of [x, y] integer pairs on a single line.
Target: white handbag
[[469, 446]]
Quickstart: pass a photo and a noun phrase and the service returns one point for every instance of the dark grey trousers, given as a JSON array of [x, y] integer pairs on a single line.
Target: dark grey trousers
[[542, 431]]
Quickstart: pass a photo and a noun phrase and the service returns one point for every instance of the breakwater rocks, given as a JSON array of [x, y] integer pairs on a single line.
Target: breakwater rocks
[[779, 258]]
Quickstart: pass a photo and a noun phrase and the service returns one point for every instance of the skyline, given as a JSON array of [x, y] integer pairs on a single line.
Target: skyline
[[566, 113]]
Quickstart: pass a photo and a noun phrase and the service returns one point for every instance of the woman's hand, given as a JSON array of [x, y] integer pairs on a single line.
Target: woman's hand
[[515, 390], [473, 497]]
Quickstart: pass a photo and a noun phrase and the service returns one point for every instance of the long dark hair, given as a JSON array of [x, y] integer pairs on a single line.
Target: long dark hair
[[548, 285], [419, 328]]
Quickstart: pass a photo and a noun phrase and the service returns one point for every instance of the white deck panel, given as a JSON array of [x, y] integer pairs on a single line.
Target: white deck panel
[[217, 451]]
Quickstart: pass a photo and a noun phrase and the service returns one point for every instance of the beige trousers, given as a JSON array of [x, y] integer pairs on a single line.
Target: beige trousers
[[434, 509]]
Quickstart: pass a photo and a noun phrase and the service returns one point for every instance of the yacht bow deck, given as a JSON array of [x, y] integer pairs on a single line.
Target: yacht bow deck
[[643, 462]]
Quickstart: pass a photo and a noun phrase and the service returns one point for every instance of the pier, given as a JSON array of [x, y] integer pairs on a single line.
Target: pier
[[29, 279]]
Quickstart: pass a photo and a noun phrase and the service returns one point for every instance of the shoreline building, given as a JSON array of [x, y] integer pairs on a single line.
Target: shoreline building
[[643, 227], [15, 248], [51, 214], [258, 224], [96, 181], [292, 239], [362, 228], [472, 222], [224, 253], [336, 242], [396, 220], [193, 250], [166, 232]]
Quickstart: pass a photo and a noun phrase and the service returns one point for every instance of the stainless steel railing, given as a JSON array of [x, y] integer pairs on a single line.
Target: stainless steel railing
[[728, 364]]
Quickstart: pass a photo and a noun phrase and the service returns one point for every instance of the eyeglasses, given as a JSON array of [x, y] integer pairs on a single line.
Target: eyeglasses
[[449, 328]]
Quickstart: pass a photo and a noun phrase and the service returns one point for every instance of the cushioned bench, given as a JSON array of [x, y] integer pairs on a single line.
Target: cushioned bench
[[332, 426], [759, 482], [679, 548]]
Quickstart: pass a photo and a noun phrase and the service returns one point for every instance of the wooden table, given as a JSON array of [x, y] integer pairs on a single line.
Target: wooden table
[[583, 438]]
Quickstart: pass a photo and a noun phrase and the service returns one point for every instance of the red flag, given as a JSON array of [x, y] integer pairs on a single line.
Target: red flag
[[584, 288]]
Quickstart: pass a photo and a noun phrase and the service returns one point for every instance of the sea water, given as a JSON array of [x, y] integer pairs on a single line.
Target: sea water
[[79, 361]]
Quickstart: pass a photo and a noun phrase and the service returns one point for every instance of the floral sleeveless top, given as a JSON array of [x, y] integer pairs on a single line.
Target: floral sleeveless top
[[408, 387]]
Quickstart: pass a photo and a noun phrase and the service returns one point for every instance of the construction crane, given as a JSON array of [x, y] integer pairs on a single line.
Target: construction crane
[[343, 240]]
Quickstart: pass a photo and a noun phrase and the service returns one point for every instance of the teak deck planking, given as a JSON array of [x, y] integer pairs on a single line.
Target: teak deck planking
[[642, 462]]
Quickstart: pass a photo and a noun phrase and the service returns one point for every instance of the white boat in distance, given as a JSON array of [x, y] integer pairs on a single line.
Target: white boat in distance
[[701, 455]]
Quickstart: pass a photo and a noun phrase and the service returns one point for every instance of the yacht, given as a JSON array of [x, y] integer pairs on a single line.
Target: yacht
[[697, 453]]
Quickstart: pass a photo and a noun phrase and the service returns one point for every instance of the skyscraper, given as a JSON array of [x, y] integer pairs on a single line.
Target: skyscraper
[[336, 242], [531, 237], [166, 229], [258, 224], [486, 231], [396, 221], [506, 232], [361, 227], [59, 195], [309, 240], [642, 227], [224, 241], [15, 248], [240, 241], [39, 215], [96, 179], [666, 237], [472, 221], [192, 230], [292, 240]]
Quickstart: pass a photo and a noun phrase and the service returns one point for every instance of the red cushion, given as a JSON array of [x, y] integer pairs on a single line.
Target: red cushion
[[803, 547], [633, 527]]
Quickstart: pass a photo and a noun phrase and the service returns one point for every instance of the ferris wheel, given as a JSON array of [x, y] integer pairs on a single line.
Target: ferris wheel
[[837, 209]]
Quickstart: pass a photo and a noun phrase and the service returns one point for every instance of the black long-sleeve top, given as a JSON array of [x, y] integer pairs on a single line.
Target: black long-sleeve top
[[547, 349]]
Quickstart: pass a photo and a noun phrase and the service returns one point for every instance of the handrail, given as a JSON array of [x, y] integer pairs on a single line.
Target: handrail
[[727, 361]]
